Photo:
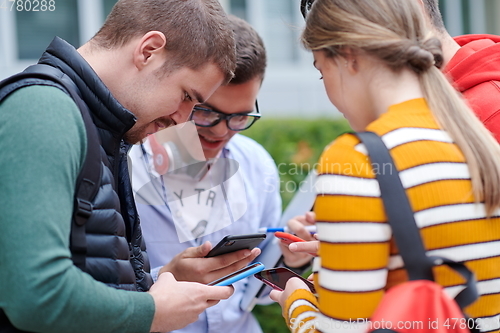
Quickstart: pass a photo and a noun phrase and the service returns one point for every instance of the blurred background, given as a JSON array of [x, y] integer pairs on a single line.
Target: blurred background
[[291, 87], [298, 120]]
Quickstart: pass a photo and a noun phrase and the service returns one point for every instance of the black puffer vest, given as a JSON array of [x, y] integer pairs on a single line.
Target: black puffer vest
[[114, 245]]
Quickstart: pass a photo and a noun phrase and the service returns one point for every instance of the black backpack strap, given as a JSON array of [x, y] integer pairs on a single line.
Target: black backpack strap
[[23, 79], [402, 221], [87, 183], [398, 210]]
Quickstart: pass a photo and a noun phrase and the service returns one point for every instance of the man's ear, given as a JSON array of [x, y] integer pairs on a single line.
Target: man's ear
[[150, 48]]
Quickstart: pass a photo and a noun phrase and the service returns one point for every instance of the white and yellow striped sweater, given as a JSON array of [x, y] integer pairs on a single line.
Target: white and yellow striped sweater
[[359, 260]]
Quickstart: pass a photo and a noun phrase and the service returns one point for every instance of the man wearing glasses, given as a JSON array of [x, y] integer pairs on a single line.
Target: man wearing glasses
[[187, 208]]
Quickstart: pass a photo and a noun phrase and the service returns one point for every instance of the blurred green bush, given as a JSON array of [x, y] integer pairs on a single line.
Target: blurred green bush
[[295, 145]]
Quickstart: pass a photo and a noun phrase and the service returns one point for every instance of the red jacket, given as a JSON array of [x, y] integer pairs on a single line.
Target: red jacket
[[475, 70]]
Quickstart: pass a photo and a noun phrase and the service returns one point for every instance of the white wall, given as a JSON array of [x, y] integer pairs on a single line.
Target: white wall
[[291, 86]]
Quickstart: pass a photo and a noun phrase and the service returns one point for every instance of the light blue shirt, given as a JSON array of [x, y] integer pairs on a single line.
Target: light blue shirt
[[258, 188]]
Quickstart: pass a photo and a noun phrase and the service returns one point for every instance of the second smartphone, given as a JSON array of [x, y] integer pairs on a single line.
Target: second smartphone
[[277, 278], [287, 237], [238, 275], [232, 243]]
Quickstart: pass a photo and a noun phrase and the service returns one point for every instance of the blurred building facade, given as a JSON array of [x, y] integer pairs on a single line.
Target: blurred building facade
[[291, 88]]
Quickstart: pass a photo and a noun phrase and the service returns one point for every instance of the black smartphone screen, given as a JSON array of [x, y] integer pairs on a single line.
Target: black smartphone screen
[[232, 243], [277, 278]]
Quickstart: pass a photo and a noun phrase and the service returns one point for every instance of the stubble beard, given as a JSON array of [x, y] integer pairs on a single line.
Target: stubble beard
[[136, 135]]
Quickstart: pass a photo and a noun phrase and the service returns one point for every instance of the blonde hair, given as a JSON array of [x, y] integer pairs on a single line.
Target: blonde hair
[[394, 32]]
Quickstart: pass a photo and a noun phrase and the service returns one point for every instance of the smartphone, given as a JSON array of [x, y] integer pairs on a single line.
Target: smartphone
[[288, 238], [232, 243], [238, 275], [277, 278]]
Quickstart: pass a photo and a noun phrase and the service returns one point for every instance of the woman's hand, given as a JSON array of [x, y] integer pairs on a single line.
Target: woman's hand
[[291, 285], [311, 247], [297, 226]]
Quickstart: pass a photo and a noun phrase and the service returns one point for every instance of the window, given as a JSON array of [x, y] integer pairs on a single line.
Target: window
[[239, 8], [470, 16], [108, 5], [35, 30], [281, 35]]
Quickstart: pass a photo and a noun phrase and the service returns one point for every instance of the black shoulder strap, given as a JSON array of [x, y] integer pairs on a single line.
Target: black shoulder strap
[[403, 225], [87, 183]]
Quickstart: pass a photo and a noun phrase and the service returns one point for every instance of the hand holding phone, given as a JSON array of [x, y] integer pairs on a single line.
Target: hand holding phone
[[277, 278], [238, 275], [287, 237], [232, 243], [192, 264]]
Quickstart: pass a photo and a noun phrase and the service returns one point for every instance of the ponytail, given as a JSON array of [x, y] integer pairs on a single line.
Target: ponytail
[[481, 150]]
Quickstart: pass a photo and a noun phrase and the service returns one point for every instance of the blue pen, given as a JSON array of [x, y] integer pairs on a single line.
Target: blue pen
[[310, 228]]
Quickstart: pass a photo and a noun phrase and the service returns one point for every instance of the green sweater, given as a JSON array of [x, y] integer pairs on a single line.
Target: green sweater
[[42, 148]]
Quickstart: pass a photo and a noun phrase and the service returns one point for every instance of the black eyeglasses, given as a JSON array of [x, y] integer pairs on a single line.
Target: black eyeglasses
[[305, 7], [205, 116]]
